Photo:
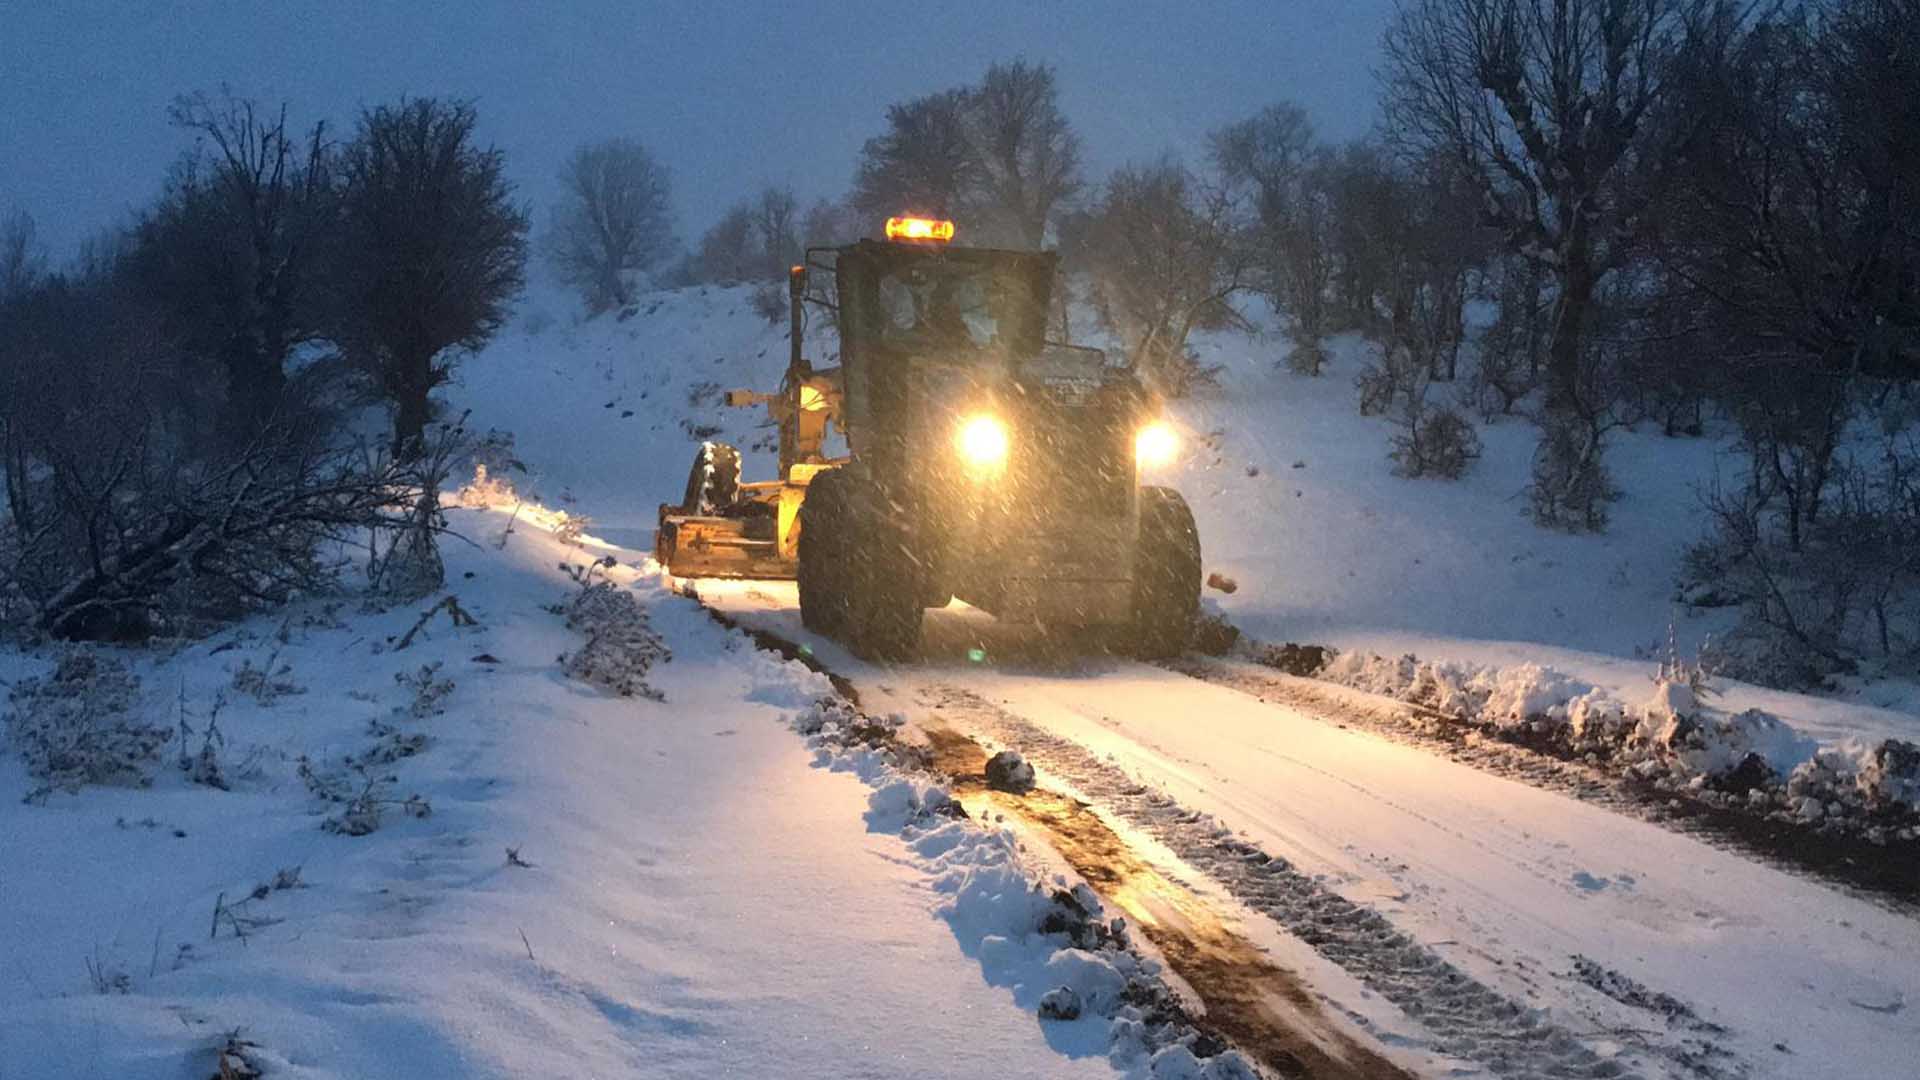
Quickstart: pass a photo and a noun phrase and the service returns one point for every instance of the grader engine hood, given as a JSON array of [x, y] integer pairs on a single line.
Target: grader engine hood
[[1070, 376]]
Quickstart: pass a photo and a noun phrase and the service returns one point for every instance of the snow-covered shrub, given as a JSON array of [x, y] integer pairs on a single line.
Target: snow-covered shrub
[[411, 568], [267, 683], [363, 798], [1433, 441], [485, 490], [569, 528], [1818, 595], [770, 301], [1307, 357], [207, 766], [107, 977], [428, 691], [1501, 379], [621, 645], [1570, 486], [494, 460], [1378, 386], [1512, 346], [77, 725]]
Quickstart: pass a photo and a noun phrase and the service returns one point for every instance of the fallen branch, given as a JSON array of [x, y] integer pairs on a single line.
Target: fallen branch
[[451, 605]]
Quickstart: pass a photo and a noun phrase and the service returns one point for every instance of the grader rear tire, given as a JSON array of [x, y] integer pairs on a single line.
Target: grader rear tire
[[1166, 575]]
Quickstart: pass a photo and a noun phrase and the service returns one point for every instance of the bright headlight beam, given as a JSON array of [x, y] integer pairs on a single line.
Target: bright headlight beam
[[1156, 444], [983, 441]]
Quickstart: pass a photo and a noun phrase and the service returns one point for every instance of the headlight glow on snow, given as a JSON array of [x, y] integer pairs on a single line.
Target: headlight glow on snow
[[983, 442], [1156, 444]]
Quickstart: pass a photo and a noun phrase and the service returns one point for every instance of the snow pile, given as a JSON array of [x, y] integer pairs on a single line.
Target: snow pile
[[1673, 738], [1052, 943]]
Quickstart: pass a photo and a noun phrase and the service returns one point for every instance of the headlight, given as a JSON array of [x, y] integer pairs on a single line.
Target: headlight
[[1155, 445], [982, 441]]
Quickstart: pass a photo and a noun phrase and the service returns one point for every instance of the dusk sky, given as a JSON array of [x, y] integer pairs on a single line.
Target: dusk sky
[[730, 96]]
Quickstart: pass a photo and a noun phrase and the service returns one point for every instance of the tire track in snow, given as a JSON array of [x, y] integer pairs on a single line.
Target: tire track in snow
[[1467, 1018], [1250, 1002]]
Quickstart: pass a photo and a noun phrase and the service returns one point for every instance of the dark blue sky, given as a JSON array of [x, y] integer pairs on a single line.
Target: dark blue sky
[[730, 96]]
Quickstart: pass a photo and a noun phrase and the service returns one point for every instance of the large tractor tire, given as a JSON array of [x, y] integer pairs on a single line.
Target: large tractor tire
[[872, 598], [1166, 575], [821, 575], [713, 484]]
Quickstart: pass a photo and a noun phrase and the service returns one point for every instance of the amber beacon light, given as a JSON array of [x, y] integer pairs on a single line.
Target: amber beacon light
[[916, 228]]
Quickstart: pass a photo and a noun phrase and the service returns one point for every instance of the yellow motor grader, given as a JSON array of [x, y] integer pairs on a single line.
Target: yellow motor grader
[[984, 462]]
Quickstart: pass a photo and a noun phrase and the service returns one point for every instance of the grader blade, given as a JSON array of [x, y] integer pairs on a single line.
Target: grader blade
[[692, 546]]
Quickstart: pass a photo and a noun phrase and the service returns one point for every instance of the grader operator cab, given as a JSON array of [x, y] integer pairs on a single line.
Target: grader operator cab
[[983, 462]]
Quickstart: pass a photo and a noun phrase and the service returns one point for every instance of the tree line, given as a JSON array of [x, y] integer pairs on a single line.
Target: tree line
[[176, 407], [1694, 215]]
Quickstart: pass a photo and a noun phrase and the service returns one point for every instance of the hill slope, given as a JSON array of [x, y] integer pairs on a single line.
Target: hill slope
[[1295, 497]]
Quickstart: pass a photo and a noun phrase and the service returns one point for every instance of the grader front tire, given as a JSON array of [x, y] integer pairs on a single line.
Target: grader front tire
[[1166, 575]]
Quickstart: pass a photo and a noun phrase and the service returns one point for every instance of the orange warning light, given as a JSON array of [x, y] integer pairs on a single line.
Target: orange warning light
[[914, 228]]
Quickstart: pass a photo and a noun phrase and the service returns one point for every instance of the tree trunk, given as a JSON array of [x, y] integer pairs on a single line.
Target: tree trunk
[[16, 469], [1569, 319], [412, 389]]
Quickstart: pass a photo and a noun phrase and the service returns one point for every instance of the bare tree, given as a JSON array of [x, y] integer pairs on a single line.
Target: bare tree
[[729, 252], [829, 224], [1367, 232], [924, 163], [117, 525], [777, 223], [1271, 158], [1267, 151], [231, 250], [1029, 156], [1542, 104], [613, 220], [21, 259], [1790, 250], [1162, 258], [432, 251]]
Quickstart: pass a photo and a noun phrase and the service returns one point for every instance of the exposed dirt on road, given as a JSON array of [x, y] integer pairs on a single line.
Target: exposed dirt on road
[[1261, 1008]]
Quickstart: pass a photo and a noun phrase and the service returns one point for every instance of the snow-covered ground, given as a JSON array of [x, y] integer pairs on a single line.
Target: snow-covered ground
[[1542, 898], [710, 893], [701, 901]]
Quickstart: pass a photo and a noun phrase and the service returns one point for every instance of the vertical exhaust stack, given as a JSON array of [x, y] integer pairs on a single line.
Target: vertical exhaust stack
[[798, 369]]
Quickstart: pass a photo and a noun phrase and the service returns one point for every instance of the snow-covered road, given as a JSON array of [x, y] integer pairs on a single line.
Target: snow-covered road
[[1507, 883]]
